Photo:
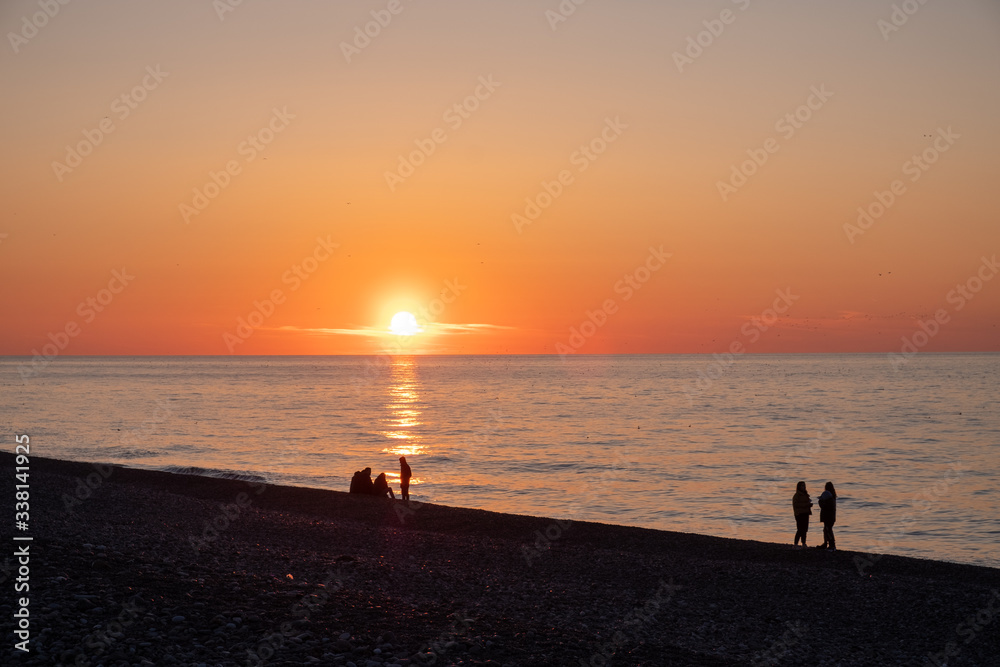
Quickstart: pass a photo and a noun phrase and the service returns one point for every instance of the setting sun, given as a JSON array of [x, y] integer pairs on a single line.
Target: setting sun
[[404, 324]]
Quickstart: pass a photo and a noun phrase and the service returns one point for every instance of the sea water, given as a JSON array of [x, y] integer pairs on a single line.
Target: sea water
[[694, 443]]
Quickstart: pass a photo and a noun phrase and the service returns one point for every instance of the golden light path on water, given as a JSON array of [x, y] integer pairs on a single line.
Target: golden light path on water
[[404, 413]]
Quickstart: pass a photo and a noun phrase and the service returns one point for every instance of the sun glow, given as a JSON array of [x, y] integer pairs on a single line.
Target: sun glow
[[404, 324]]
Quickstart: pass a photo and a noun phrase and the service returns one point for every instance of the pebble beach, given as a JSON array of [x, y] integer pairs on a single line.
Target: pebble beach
[[138, 567]]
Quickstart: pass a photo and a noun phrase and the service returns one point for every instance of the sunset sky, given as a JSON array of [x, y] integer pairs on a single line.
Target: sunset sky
[[170, 168]]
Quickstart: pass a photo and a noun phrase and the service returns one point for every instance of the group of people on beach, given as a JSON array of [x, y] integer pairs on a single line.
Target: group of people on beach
[[362, 482], [802, 508]]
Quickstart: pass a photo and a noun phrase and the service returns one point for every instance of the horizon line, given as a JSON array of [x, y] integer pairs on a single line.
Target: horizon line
[[509, 354]]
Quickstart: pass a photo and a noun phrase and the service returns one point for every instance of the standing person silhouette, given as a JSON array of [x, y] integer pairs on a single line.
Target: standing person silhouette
[[828, 515], [404, 478], [800, 506]]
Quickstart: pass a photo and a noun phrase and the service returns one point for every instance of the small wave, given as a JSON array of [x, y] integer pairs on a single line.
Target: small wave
[[118, 453], [128, 453], [240, 475]]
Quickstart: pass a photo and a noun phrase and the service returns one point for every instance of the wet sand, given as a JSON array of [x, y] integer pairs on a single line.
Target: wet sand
[[133, 567]]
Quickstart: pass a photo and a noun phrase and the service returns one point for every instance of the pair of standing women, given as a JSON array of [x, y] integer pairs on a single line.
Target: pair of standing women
[[801, 506]]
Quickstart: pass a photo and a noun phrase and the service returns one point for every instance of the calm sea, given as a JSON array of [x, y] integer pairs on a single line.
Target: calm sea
[[677, 442]]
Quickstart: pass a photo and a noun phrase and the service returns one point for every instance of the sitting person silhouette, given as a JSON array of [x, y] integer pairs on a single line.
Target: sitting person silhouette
[[381, 487], [362, 482]]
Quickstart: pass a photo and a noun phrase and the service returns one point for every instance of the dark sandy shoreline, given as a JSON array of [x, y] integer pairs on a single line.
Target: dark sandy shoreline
[[143, 567]]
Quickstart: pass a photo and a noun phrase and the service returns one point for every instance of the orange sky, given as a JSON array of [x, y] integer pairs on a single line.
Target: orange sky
[[308, 122]]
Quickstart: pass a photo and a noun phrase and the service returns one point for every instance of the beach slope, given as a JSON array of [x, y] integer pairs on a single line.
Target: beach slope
[[135, 567]]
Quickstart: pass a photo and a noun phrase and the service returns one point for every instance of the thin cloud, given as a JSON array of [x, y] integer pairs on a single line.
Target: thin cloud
[[437, 328], [466, 328]]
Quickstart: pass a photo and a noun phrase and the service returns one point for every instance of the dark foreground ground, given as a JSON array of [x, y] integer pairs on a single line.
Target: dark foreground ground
[[130, 572]]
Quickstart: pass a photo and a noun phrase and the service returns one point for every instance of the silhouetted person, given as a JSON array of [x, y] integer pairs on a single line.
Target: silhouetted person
[[404, 478], [800, 506], [362, 482], [828, 515], [382, 487]]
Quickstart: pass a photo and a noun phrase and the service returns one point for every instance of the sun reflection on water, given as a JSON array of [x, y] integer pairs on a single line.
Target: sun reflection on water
[[402, 424]]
